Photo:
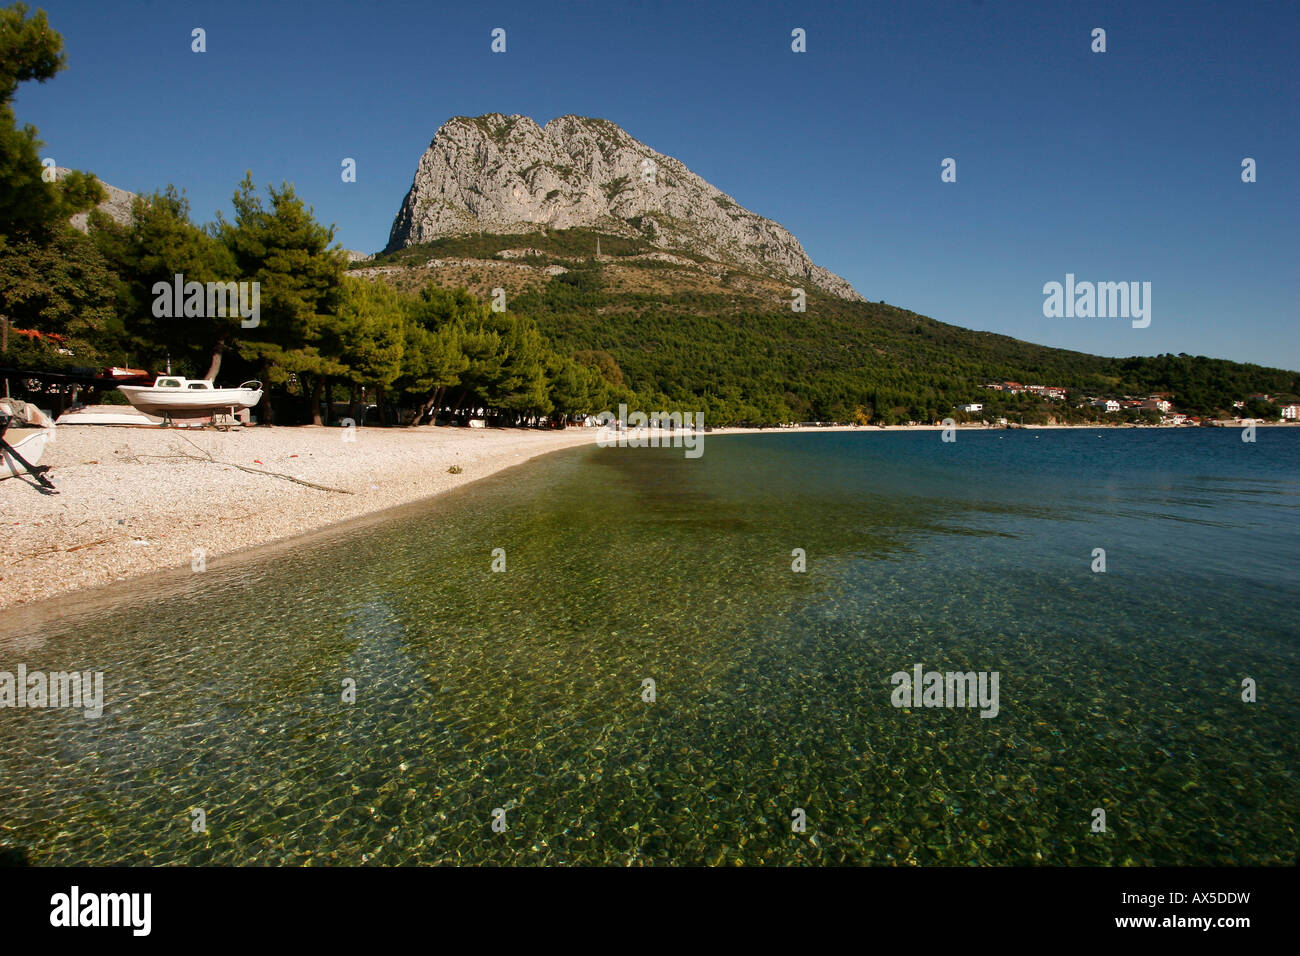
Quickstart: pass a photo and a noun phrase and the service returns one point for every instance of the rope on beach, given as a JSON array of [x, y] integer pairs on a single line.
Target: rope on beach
[[207, 456]]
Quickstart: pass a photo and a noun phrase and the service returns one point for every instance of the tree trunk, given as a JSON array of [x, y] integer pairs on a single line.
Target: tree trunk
[[317, 389], [420, 411], [329, 400], [264, 414], [429, 406], [379, 405], [215, 365]]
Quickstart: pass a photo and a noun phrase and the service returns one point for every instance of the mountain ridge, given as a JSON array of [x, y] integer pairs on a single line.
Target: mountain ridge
[[506, 174]]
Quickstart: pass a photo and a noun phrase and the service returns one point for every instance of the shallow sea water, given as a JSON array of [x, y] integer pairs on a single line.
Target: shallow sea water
[[522, 692]]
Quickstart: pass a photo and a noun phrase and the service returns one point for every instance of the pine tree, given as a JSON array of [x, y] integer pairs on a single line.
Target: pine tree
[[289, 254], [372, 334], [158, 244], [30, 50]]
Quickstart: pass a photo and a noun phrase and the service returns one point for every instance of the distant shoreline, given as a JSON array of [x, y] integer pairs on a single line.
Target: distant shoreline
[[977, 427]]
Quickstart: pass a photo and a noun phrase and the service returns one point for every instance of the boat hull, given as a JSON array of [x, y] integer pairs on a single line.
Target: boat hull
[[123, 415], [31, 447], [199, 403]]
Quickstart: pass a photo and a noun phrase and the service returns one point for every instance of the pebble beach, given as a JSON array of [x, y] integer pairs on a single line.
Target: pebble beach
[[136, 500]]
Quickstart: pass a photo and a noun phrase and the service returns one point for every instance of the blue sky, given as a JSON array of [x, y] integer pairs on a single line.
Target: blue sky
[[1122, 166]]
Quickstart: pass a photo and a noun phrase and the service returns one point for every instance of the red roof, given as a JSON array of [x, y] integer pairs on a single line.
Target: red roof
[[33, 334]]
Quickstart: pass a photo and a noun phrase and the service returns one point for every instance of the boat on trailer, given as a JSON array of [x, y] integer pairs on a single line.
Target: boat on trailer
[[178, 400]]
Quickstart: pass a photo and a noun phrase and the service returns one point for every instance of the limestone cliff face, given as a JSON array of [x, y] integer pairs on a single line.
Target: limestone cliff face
[[506, 174], [117, 202]]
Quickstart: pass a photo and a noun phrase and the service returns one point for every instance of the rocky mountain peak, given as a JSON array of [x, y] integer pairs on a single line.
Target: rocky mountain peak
[[505, 174]]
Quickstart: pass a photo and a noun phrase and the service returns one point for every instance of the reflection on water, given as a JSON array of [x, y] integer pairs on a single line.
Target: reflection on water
[[522, 691]]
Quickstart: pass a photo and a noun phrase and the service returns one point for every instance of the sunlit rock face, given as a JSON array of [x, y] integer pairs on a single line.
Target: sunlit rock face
[[506, 174]]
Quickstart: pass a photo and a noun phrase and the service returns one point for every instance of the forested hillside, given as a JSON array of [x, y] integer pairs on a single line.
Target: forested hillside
[[728, 341]]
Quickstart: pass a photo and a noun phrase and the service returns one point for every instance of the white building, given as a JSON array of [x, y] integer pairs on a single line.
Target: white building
[[1106, 404], [972, 407]]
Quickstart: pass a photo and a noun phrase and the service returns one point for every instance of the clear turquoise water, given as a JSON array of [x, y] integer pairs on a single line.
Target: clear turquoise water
[[522, 690]]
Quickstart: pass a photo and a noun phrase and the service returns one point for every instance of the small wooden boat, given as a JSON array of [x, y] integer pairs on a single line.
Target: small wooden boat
[[173, 398]]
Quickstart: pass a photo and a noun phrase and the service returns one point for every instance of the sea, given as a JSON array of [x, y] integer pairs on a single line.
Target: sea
[[1022, 647]]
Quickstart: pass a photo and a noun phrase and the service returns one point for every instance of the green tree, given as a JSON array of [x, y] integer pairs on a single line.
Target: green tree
[[575, 389], [1258, 408], [158, 244], [432, 363], [372, 334], [30, 50], [435, 358], [603, 362], [507, 369], [33, 213], [289, 254], [60, 284]]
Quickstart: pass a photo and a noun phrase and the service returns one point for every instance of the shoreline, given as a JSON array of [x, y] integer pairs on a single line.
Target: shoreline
[[137, 501]]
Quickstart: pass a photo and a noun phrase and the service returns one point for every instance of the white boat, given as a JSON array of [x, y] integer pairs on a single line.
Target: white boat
[[108, 415], [30, 447], [172, 397]]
